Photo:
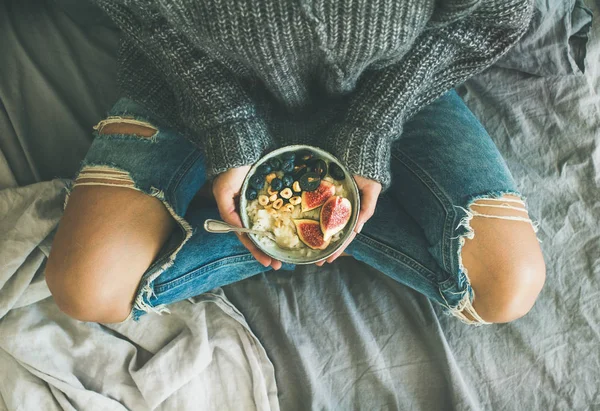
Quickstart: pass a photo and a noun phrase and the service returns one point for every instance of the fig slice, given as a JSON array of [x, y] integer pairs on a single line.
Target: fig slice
[[309, 232], [315, 199], [335, 214]]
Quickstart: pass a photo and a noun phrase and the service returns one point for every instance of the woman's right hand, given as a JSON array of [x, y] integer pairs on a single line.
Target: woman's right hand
[[226, 189]]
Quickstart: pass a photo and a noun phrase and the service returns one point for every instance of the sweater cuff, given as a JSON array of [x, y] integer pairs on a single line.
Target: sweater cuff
[[365, 152], [232, 145]]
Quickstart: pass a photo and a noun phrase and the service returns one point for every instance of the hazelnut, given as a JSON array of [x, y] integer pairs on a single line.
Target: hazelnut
[[295, 200], [263, 200], [286, 193], [271, 191], [296, 187], [273, 197], [270, 177], [278, 203], [288, 208]]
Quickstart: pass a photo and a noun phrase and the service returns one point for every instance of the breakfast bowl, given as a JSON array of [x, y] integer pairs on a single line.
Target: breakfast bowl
[[305, 198]]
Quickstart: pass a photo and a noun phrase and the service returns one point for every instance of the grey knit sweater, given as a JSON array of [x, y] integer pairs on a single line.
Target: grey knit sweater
[[240, 77]]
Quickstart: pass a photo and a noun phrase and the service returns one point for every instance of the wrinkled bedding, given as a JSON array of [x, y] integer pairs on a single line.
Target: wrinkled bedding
[[202, 356], [341, 337]]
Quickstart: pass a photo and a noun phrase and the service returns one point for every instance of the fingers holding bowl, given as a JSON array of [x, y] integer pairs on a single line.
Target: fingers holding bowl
[[369, 193], [340, 251], [226, 190]]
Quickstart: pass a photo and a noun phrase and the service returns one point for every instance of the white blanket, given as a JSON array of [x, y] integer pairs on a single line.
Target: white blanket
[[201, 357]]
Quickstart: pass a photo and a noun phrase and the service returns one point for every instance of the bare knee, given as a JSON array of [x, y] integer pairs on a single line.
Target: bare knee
[[99, 309], [514, 297], [84, 299], [504, 260], [95, 283]]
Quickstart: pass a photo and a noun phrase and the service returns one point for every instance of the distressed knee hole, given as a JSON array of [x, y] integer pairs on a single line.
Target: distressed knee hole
[[510, 208], [127, 126], [507, 207], [103, 175], [499, 207]]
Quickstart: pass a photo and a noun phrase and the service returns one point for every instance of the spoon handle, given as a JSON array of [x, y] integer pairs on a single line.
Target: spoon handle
[[216, 226]]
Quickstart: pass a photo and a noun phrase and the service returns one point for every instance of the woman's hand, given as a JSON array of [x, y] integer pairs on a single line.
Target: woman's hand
[[369, 193], [226, 189]]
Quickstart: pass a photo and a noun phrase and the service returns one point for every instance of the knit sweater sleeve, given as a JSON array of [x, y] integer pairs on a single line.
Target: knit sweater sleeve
[[214, 108], [445, 55]]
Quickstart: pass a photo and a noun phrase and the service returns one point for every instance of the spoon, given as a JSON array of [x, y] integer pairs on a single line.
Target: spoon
[[216, 226]]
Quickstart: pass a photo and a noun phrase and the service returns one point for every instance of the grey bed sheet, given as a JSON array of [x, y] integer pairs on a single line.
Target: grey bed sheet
[[347, 337]]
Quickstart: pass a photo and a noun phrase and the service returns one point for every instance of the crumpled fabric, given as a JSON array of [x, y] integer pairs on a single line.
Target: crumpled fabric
[[202, 356]]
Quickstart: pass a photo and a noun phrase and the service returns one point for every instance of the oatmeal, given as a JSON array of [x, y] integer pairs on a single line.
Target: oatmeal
[[302, 200]]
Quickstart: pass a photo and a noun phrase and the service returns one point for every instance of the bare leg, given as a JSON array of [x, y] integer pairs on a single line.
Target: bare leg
[[106, 240]]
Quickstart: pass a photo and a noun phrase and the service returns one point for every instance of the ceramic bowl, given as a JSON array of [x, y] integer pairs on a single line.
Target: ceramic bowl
[[294, 256]]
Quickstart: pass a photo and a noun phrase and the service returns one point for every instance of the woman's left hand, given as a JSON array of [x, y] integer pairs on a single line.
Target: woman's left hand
[[369, 193]]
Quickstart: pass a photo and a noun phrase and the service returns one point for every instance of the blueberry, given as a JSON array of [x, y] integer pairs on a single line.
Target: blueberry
[[276, 184], [257, 181], [263, 169], [251, 194], [287, 166], [287, 180], [336, 171], [288, 156], [275, 164]]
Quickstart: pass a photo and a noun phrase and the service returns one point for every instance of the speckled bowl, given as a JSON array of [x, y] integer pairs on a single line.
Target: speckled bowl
[[292, 256]]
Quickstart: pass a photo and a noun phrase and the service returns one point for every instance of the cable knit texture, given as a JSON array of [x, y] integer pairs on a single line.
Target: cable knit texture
[[240, 77]]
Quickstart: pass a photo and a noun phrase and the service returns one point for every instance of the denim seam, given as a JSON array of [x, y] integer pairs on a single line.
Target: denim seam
[[399, 257], [162, 288], [179, 175], [447, 284], [444, 200]]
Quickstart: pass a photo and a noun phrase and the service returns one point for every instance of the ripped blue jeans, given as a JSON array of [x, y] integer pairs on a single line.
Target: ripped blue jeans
[[442, 164]]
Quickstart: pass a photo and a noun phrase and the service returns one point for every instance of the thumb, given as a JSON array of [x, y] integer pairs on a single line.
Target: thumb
[[226, 205], [368, 202]]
